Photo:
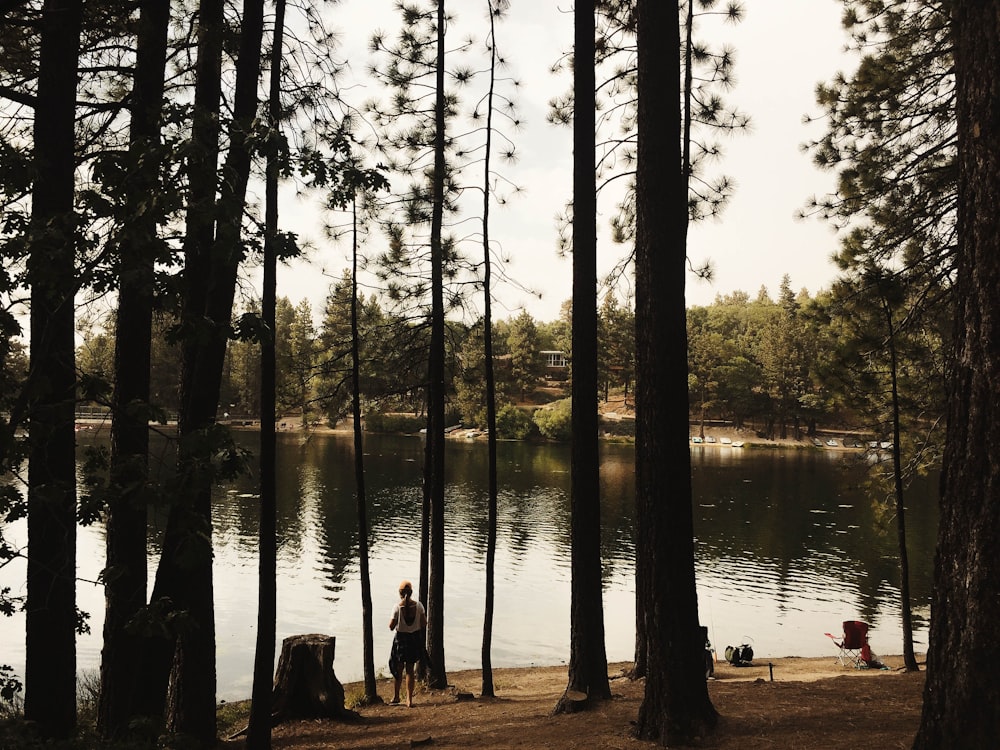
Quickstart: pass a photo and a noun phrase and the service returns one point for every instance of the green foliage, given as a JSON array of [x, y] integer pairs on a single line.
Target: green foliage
[[209, 455], [96, 463], [514, 423], [616, 343], [707, 73], [95, 360], [555, 420], [618, 428], [160, 619], [525, 361], [377, 422], [469, 380]]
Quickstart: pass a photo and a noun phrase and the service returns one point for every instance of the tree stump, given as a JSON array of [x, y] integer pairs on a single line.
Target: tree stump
[[305, 686], [571, 702]]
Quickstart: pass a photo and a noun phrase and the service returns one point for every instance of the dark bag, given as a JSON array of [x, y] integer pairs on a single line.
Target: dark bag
[[739, 656]]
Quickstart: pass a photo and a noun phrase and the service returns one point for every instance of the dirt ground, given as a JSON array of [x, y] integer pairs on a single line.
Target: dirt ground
[[811, 703]]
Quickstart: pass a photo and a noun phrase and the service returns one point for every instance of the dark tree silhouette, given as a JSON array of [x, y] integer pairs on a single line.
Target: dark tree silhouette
[[169, 588], [494, 7], [885, 300], [588, 663], [50, 622], [675, 707], [371, 689], [259, 728], [356, 182], [212, 253], [437, 676], [125, 525]]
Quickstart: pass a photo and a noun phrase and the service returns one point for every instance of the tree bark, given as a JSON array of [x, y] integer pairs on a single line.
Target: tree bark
[[675, 707], [906, 615], [962, 683], [50, 621], [437, 676], [169, 590], [259, 728], [588, 663], [491, 391], [184, 575], [368, 632], [212, 252], [125, 528], [305, 685]]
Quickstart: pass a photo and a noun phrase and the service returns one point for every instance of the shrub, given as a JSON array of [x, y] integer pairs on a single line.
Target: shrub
[[555, 420], [11, 693], [378, 422], [621, 428], [513, 423]]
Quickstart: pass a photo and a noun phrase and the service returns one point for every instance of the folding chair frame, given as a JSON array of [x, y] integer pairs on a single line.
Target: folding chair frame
[[853, 644]]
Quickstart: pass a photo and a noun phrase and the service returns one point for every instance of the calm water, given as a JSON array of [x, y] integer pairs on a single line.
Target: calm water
[[787, 548]]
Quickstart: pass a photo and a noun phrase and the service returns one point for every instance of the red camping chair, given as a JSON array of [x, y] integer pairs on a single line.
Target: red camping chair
[[853, 645]]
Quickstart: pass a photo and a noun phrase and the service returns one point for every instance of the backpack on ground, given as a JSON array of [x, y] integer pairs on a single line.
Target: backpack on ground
[[740, 656]]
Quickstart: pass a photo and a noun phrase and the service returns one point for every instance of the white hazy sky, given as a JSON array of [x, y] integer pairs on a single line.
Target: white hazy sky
[[783, 49]]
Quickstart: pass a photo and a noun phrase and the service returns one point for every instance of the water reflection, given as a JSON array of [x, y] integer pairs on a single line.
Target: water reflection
[[786, 548]]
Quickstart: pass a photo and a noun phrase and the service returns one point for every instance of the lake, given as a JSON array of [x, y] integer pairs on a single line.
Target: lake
[[787, 548]]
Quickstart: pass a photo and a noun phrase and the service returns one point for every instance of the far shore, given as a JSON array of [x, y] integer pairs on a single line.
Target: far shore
[[747, 437], [712, 438]]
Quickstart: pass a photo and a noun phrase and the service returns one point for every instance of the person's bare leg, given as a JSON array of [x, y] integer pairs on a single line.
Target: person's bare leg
[[398, 682], [409, 685]]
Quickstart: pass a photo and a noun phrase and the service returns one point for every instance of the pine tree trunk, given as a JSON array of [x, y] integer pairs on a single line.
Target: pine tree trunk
[[675, 707], [491, 391], [50, 636], [259, 727], [437, 677], [184, 574], [963, 686], [906, 617], [368, 631], [588, 664], [125, 528], [212, 256]]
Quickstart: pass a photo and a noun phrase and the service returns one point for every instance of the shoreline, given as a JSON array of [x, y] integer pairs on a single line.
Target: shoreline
[[738, 439], [811, 703], [762, 668], [847, 441]]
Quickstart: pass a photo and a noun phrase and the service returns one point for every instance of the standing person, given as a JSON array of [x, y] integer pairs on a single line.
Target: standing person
[[408, 620]]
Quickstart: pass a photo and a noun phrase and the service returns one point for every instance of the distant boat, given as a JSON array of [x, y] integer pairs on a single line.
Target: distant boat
[[697, 440], [725, 441], [737, 443], [709, 439], [832, 443]]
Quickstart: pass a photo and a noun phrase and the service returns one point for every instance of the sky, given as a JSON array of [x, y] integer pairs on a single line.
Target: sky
[[783, 49]]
